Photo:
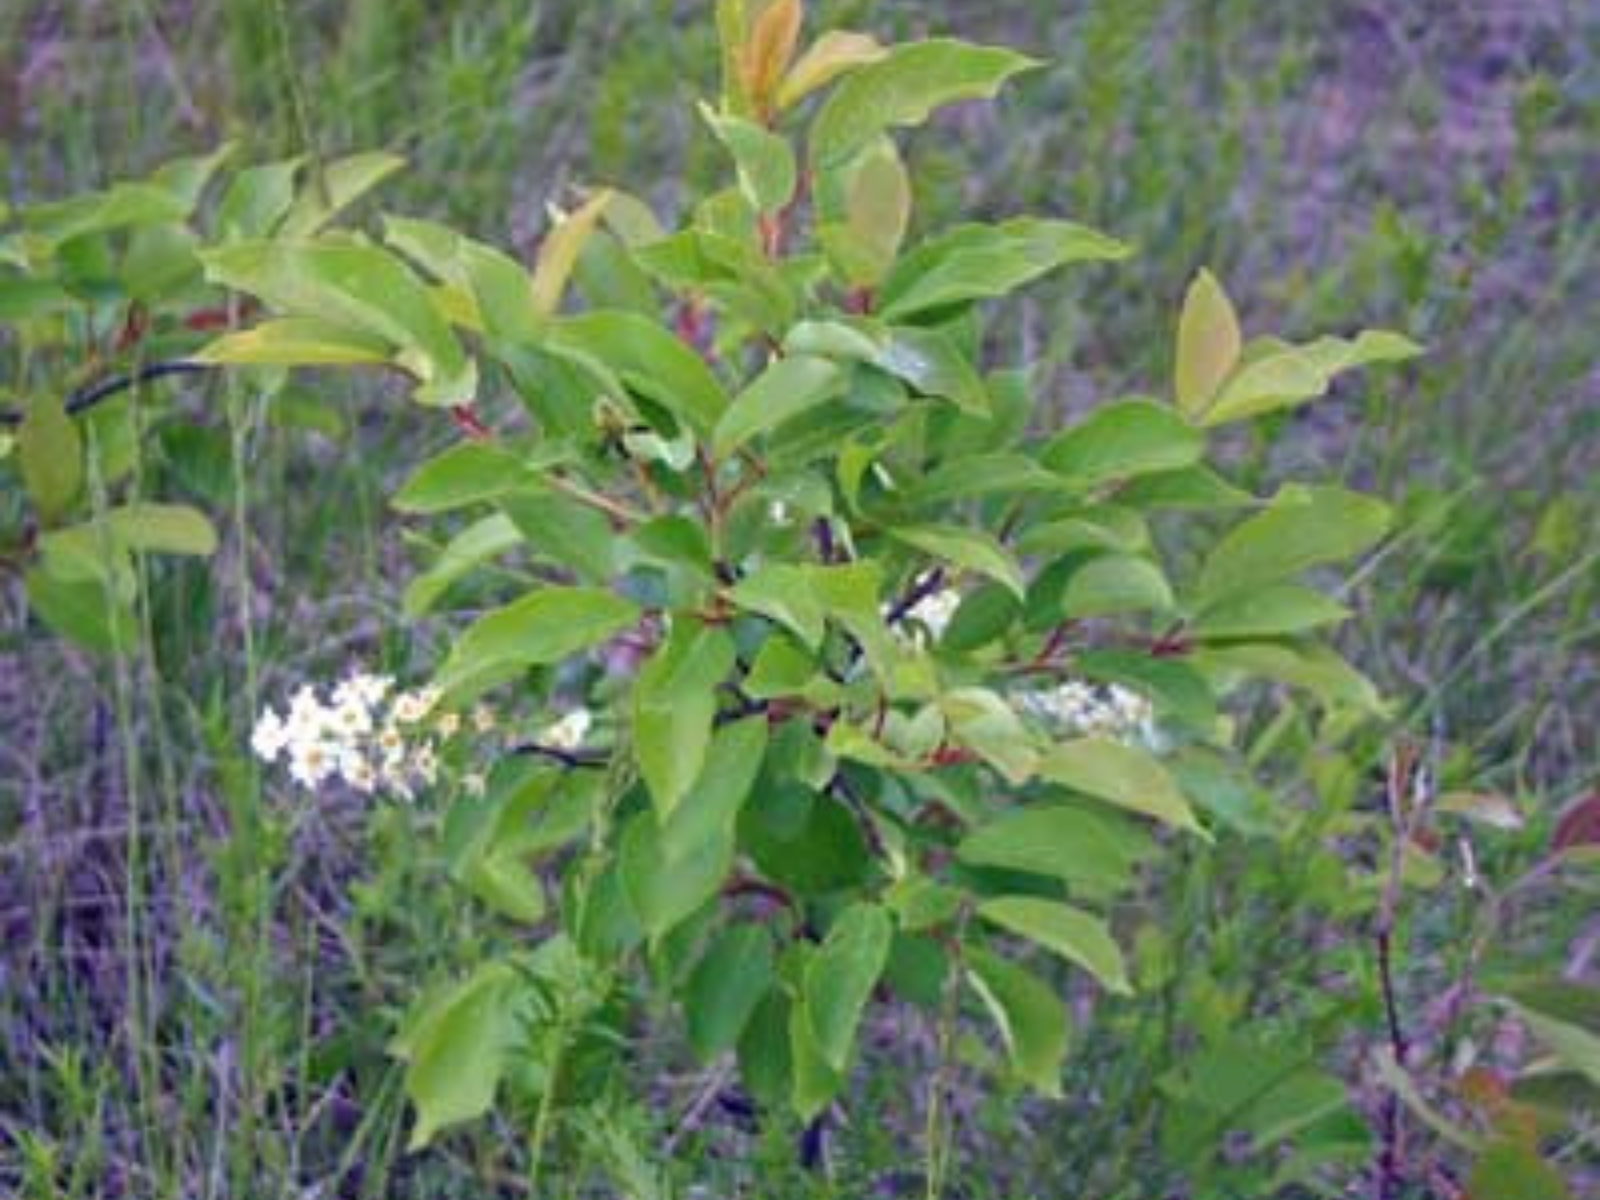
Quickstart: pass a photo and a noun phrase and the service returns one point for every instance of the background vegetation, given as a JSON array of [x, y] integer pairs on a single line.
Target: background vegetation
[[198, 975]]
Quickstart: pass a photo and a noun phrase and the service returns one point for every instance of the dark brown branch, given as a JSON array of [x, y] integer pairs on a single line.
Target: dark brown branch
[[87, 397]]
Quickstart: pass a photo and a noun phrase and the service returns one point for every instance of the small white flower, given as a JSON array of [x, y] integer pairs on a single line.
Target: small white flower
[[358, 772], [269, 737], [483, 719], [409, 708], [310, 763], [568, 733], [425, 763], [448, 724], [473, 784], [778, 513]]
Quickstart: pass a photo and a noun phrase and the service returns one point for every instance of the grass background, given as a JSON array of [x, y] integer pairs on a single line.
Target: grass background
[[197, 978]]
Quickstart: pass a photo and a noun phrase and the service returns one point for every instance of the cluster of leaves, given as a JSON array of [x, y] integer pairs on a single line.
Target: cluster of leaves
[[803, 803], [101, 296]]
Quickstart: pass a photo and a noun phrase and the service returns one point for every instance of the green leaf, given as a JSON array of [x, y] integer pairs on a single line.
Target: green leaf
[[675, 700], [969, 549], [458, 1048], [294, 342], [830, 56], [725, 989], [931, 362], [256, 198], [815, 1082], [1208, 344], [1279, 379], [765, 162], [787, 388], [1565, 1017], [1114, 584], [1121, 441], [84, 611], [903, 88], [877, 210], [841, 975], [1332, 355], [501, 291], [975, 262], [1509, 1169], [1300, 528], [344, 181], [972, 475], [163, 529], [466, 473], [710, 809], [666, 888], [782, 592], [1197, 487], [564, 242], [983, 722], [1064, 842], [1033, 1023], [357, 286], [1272, 610], [479, 542], [649, 359], [544, 627], [50, 457], [1317, 669], [1069, 932], [1120, 775]]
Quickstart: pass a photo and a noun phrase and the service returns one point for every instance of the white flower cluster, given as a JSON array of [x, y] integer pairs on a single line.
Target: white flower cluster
[[1082, 709], [931, 614], [369, 735]]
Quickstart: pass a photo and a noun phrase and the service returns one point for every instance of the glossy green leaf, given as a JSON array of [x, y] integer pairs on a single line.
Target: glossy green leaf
[[544, 627], [500, 290], [83, 611], [294, 342], [1301, 528], [1280, 379], [726, 987], [1033, 1022], [1209, 343], [1122, 441], [163, 529], [932, 363], [1070, 932], [765, 162], [783, 592], [649, 359], [1272, 610], [357, 286], [1061, 841], [343, 182], [483, 540], [1114, 584], [675, 699], [976, 262], [1121, 775], [50, 457], [830, 56], [841, 975], [903, 88], [466, 473], [788, 387], [458, 1049]]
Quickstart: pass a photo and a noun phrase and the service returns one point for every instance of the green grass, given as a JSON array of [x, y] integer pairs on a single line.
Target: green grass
[[210, 967]]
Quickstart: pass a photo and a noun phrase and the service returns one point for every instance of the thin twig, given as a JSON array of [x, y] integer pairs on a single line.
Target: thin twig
[[87, 397]]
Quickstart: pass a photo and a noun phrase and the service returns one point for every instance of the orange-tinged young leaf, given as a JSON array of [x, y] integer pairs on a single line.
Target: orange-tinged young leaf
[[769, 50], [1208, 344], [559, 253], [830, 56]]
